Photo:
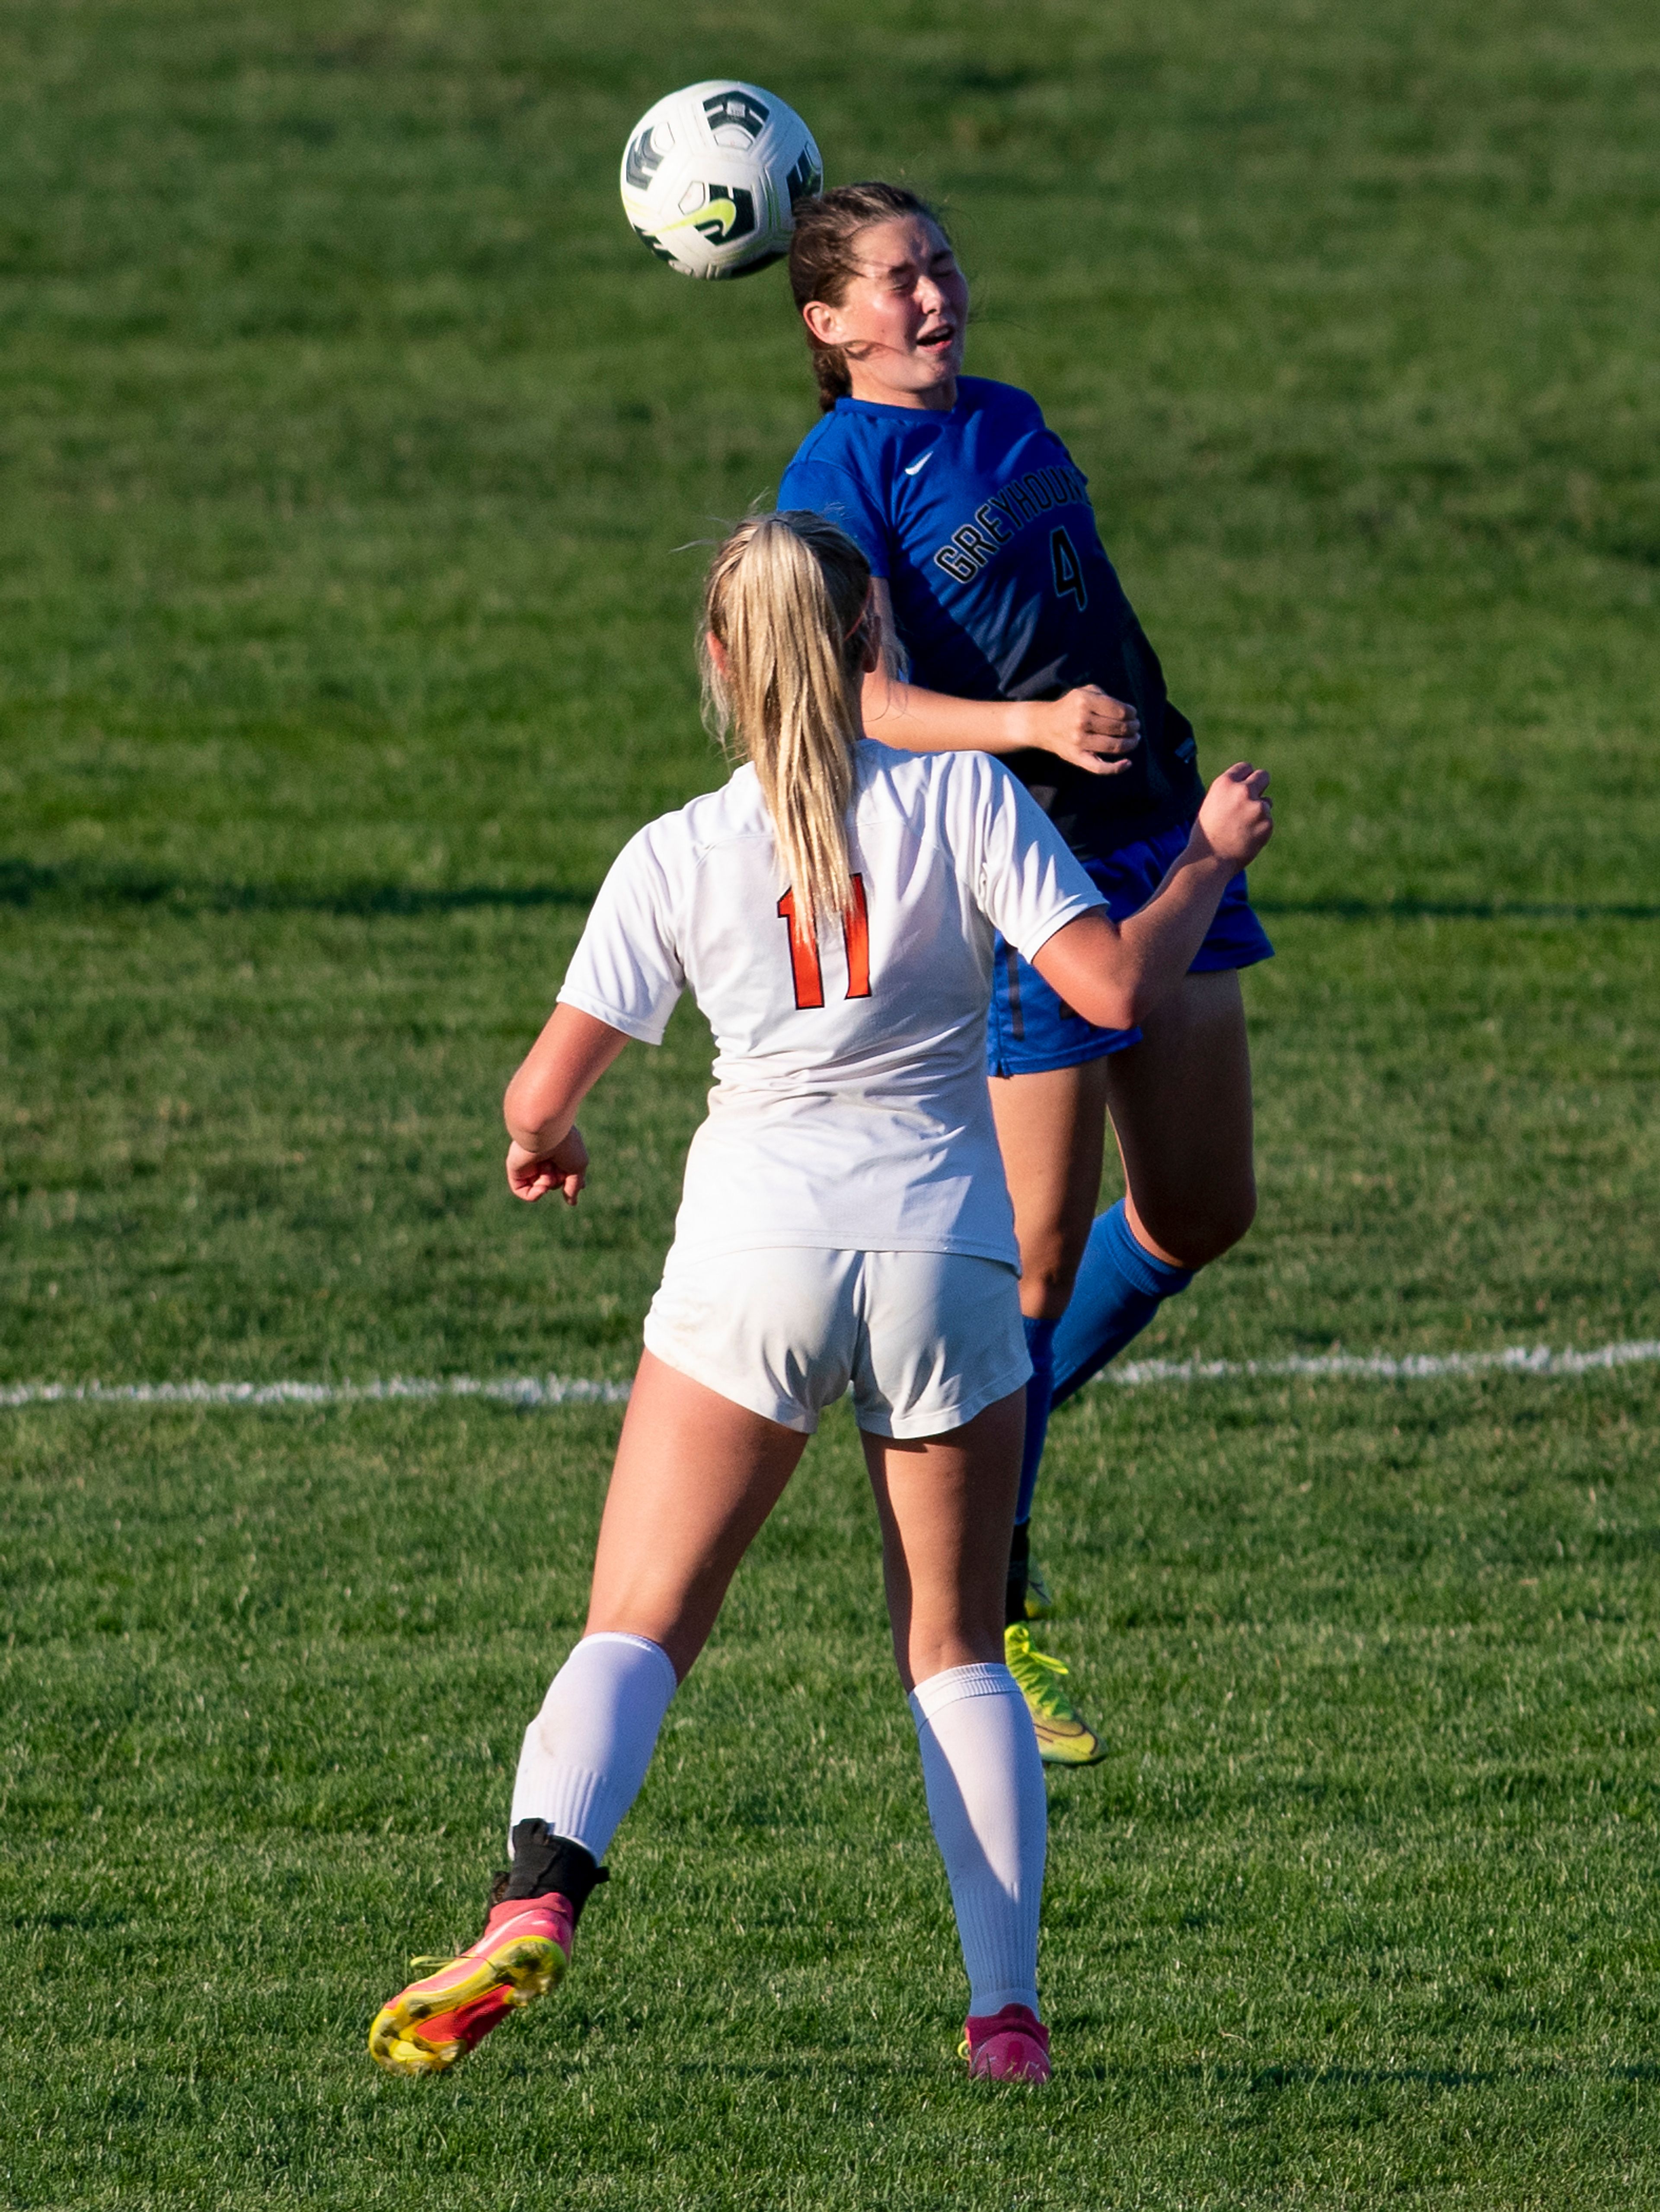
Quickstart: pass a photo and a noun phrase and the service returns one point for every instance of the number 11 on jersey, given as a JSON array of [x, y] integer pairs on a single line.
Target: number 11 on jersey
[[805, 971]]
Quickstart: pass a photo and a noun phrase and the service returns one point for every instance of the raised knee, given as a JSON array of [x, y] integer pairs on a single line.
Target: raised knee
[[1232, 1223], [1193, 1241]]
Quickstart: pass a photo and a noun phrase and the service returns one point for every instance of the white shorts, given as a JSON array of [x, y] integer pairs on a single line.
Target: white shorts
[[925, 1339]]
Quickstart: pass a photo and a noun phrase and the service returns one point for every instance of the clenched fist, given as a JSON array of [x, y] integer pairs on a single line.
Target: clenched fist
[[1237, 819], [532, 1175]]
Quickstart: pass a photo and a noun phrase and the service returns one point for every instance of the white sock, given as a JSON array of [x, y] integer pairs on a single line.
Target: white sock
[[986, 1799], [585, 1753]]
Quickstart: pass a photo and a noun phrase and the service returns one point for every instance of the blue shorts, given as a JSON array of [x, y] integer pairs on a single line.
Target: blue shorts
[[1030, 1030]]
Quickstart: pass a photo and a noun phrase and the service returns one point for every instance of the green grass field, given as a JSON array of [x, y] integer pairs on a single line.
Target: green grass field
[[348, 450]]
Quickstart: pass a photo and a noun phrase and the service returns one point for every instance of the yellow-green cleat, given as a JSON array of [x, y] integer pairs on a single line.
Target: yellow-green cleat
[[1040, 1598], [1065, 1738]]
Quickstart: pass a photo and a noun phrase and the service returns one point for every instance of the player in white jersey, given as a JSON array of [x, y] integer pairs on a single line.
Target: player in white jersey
[[845, 1224]]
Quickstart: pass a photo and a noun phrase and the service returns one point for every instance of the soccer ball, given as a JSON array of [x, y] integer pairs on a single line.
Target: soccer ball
[[711, 175]]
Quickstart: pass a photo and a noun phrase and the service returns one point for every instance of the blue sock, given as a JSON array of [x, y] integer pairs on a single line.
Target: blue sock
[[1040, 1346], [1119, 1289]]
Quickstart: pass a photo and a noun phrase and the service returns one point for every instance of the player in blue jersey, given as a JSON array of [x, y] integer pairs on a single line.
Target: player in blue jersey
[[1015, 637]]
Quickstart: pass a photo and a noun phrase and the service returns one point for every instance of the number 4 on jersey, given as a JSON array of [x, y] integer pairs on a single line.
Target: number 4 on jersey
[[1068, 569], [805, 971]]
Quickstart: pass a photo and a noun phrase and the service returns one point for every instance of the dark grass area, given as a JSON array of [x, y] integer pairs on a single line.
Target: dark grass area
[[348, 453]]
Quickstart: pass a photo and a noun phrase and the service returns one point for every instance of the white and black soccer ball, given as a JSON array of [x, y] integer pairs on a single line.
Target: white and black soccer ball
[[711, 176]]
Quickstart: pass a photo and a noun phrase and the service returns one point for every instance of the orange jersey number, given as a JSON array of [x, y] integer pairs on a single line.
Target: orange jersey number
[[806, 972]]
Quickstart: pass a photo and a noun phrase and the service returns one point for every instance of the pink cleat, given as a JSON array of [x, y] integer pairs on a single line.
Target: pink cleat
[[1010, 2045], [522, 1954]]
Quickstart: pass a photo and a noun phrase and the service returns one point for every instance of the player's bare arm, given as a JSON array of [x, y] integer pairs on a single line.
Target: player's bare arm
[[547, 1152], [1086, 727], [1115, 973]]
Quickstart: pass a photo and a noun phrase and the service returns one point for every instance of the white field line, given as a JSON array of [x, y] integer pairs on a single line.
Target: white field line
[[511, 1390], [1385, 1367], [535, 1390]]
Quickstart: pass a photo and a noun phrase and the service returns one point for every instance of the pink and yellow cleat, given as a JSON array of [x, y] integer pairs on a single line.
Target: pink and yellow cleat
[[524, 1950], [1010, 2045], [522, 1954]]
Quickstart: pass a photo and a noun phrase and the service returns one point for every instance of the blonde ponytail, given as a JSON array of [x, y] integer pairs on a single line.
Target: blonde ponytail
[[787, 598]]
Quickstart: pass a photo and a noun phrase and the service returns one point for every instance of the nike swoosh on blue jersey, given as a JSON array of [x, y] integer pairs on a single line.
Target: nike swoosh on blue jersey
[[916, 466]]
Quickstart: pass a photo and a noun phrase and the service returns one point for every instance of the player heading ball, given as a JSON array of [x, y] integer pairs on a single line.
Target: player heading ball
[[845, 1226], [1015, 638]]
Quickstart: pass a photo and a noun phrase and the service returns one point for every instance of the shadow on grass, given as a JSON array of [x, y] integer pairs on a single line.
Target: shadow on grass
[[1258, 2081], [805, 2068], [1412, 909], [22, 882]]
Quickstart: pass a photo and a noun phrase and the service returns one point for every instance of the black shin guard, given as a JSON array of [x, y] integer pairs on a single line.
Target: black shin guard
[[543, 1861]]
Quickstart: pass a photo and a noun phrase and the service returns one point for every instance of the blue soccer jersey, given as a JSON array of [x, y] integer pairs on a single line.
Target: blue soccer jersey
[[981, 523]]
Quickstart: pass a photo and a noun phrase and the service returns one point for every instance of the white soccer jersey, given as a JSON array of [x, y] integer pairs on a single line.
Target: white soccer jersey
[[850, 1108]]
